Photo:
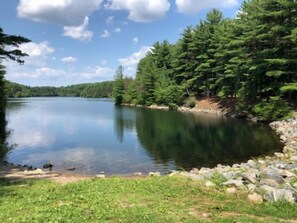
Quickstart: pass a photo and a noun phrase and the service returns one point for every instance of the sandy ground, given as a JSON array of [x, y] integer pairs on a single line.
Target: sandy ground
[[14, 173]]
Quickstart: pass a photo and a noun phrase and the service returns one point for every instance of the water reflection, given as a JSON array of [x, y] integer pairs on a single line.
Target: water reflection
[[94, 136], [3, 135], [196, 140]]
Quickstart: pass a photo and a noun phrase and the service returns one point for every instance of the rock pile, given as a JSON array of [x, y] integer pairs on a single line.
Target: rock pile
[[272, 178]]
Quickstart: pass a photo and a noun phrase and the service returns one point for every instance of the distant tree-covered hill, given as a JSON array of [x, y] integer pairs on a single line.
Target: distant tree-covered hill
[[89, 90]]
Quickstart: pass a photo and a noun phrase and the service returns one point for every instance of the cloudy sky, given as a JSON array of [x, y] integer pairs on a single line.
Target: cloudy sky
[[82, 41]]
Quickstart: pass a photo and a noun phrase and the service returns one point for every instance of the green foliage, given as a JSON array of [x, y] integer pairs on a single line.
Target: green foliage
[[14, 42], [274, 109], [252, 58], [217, 179], [91, 90], [118, 86], [190, 102]]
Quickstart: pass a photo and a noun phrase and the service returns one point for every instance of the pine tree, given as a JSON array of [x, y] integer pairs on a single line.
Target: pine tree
[[118, 86]]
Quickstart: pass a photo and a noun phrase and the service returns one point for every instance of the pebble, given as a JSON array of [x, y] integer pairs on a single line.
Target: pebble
[[231, 190], [255, 198]]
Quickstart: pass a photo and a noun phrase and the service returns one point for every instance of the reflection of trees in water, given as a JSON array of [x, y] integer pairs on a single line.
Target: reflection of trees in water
[[15, 105], [11, 106], [4, 148], [191, 141], [124, 120]]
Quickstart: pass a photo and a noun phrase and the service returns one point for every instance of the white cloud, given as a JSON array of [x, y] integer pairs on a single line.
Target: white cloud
[[141, 10], [99, 73], [105, 34], [69, 59], [43, 72], [79, 32], [103, 62], [191, 7], [49, 72], [117, 30], [64, 12], [37, 49], [109, 20], [130, 63], [135, 40]]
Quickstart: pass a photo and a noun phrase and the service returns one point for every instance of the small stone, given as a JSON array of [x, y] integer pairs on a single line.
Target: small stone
[[231, 190], [229, 175], [206, 215], [209, 184], [154, 174], [251, 187], [101, 176], [194, 171], [293, 158], [138, 174], [262, 162], [235, 166], [236, 183], [255, 198], [279, 155], [251, 163]]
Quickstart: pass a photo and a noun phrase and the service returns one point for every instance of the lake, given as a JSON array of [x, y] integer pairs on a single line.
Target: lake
[[94, 135]]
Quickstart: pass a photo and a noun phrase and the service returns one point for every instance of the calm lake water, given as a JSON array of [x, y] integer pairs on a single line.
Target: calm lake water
[[93, 135]]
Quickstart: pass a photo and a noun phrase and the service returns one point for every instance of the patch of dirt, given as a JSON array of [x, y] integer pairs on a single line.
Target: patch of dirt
[[262, 218], [216, 104], [14, 173]]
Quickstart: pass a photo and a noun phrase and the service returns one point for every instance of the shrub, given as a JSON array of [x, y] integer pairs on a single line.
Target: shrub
[[274, 109], [190, 102]]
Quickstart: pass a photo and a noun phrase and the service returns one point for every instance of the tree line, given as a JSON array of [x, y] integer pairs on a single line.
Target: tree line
[[252, 58], [88, 90]]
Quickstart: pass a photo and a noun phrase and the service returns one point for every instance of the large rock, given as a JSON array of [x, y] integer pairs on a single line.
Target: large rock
[[269, 182], [236, 183], [250, 177], [273, 173], [272, 194], [287, 174]]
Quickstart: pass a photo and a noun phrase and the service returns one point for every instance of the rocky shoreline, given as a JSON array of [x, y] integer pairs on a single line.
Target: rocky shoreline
[[272, 178]]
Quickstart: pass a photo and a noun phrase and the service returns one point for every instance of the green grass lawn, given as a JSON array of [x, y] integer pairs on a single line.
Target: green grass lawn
[[164, 199]]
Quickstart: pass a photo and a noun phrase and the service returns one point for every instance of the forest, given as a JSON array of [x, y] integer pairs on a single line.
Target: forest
[[252, 58], [88, 90]]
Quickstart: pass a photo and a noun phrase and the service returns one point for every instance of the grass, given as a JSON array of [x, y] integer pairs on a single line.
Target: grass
[[164, 199]]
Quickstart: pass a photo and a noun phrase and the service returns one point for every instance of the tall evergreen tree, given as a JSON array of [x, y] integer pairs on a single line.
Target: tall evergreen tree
[[118, 86]]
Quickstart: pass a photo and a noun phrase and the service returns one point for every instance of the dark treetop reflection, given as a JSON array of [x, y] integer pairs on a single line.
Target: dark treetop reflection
[[93, 135]]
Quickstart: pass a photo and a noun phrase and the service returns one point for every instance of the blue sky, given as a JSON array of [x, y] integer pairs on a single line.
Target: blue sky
[[83, 41]]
